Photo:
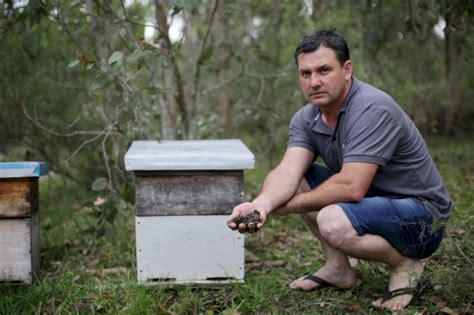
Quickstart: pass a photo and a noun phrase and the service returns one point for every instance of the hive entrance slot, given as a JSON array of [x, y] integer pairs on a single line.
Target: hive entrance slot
[[162, 279], [220, 278]]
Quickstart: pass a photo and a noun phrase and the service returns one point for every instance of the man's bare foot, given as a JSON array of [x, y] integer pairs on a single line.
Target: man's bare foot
[[340, 277], [405, 276]]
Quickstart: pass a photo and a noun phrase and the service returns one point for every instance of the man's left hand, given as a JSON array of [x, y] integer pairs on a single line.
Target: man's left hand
[[282, 211]]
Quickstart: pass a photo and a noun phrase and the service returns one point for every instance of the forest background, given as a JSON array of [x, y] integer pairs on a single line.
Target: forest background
[[81, 79]]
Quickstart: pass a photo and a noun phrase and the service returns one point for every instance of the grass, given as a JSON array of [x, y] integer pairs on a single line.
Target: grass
[[81, 274]]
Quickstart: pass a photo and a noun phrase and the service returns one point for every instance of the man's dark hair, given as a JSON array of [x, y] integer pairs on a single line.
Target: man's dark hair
[[327, 38]]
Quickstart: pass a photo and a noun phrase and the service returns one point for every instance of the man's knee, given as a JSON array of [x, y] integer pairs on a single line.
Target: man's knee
[[334, 226]]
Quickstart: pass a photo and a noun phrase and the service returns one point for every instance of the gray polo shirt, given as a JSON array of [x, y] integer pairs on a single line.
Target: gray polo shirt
[[372, 128]]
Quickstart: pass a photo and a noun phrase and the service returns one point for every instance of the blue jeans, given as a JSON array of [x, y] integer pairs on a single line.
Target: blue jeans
[[404, 222]]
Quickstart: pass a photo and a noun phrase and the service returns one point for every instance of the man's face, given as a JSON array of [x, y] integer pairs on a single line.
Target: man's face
[[323, 80]]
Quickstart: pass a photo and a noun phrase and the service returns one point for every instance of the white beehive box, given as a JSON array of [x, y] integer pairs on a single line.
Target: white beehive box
[[185, 190], [19, 228]]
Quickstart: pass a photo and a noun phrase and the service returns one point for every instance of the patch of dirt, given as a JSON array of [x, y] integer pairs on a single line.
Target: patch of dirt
[[250, 218]]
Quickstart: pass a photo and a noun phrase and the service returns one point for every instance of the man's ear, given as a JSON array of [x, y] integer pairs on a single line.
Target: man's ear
[[347, 67]]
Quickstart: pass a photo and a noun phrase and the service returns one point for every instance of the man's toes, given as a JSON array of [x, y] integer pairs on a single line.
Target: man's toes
[[293, 285], [301, 284], [398, 304], [393, 306], [377, 303], [296, 284], [398, 307]]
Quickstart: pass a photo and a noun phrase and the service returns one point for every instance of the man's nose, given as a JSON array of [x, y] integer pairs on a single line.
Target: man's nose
[[315, 80]]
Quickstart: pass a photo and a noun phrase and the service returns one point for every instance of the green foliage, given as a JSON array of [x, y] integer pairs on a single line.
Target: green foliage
[[80, 82]]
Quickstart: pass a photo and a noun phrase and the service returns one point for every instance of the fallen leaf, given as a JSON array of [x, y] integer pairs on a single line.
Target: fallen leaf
[[230, 311], [49, 309], [93, 262], [275, 263], [250, 257], [354, 307], [114, 270], [82, 306], [447, 310], [382, 269], [106, 271], [99, 201], [439, 302], [266, 264], [229, 298]]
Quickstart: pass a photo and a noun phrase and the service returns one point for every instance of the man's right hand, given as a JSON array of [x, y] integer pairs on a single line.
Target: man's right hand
[[242, 210]]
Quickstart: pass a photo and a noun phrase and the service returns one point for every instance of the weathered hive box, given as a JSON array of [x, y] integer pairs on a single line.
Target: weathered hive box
[[19, 228], [185, 191]]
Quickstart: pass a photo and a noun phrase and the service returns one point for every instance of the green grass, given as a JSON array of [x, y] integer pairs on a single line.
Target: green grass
[[81, 274]]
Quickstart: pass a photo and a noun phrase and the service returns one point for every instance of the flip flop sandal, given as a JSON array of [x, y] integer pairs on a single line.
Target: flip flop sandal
[[322, 283], [388, 295], [416, 292]]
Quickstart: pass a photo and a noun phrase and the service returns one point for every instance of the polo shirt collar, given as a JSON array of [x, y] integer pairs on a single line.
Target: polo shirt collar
[[314, 115]]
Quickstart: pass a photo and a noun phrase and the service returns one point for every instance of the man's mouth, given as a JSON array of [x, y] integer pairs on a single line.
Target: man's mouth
[[316, 94]]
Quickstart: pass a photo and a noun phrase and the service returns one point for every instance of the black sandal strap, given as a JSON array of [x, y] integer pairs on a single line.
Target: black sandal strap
[[322, 283], [387, 295]]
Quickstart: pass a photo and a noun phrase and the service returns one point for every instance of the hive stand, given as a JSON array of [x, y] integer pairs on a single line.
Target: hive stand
[[185, 191]]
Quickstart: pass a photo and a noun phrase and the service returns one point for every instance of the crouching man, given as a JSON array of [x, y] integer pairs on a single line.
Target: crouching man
[[379, 196]]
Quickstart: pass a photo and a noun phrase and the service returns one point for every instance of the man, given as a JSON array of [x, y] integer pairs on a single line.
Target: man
[[380, 198]]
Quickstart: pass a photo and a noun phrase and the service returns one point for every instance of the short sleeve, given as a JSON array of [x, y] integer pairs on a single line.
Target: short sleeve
[[299, 133], [372, 137]]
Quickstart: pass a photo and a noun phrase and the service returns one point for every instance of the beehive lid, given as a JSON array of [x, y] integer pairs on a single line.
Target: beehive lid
[[23, 169], [229, 154]]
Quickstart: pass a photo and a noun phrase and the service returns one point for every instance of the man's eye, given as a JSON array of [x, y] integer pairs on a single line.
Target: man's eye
[[325, 71], [305, 74]]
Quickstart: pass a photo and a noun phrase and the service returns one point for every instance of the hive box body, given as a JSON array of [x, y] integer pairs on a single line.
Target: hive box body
[[185, 191], [19, 249], [18, 197], [188, 192], [19, 228], [188, 249]]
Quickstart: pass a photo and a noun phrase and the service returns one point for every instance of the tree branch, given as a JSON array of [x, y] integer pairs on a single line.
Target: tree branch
[[106, 157], [127, 18], [221, 84], [36, 122], [459, 248], [81, 146], [63, 25]]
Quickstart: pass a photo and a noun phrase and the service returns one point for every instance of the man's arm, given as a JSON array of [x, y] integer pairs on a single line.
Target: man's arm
[[350, 184], [279, 186]]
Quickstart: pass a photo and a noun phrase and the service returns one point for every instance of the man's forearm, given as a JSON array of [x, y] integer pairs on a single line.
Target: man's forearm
[[335, 189], [278, 188]]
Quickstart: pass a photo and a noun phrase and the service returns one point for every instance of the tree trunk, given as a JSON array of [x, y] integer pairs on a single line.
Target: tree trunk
[[168, 108], [97, 30], [191, 46], [222, 53], [453, 44], [177, 88]]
